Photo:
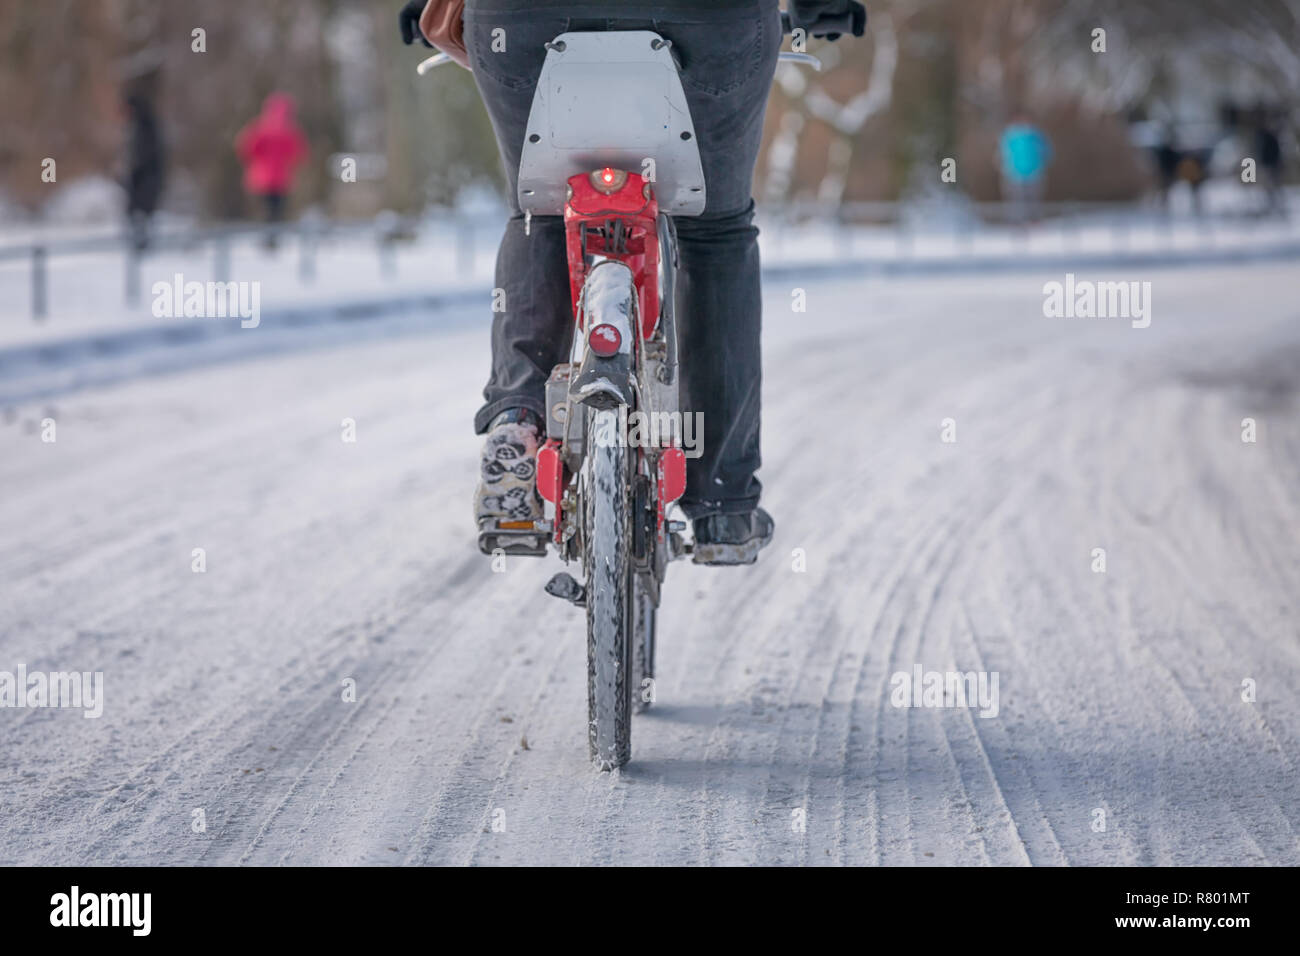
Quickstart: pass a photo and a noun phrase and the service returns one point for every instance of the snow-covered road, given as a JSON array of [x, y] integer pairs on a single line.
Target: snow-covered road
[[1121, 734]]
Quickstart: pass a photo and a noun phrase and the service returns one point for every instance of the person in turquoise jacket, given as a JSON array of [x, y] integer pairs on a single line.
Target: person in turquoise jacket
[[1026, 153]]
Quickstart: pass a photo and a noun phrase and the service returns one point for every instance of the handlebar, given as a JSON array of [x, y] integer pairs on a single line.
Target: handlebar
[[786, 56], [807, 59], [844, 23], [438, 59]]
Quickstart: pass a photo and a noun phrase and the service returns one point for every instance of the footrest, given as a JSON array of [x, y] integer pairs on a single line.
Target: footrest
[[513, 537]]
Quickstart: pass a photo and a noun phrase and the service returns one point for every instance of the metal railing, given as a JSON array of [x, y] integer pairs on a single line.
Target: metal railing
[[306, 234], [847, 223]]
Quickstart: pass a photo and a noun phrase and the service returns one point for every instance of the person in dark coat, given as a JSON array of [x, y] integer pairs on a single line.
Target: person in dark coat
[[146, 167], [729, 56], [1268, 151]]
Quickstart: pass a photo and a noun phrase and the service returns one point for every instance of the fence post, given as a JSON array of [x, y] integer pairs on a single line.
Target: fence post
[[465, 246], [221, 258], [902, 237], [132, 275], [39, 304], [306, 251]]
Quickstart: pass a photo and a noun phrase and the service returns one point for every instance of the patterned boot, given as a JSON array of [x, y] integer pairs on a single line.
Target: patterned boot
[[507, 488]]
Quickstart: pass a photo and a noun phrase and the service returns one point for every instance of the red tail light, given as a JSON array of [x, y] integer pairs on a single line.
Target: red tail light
[[608, 179], [604, 340]]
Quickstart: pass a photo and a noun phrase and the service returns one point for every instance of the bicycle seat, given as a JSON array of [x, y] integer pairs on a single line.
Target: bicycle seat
[[610, 99]]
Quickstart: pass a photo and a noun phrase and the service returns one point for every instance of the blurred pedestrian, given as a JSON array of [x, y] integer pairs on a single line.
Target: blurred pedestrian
[[272, 147], [1025, 154], [1194, 169], [1167, 157], [145, 168], [1268, 154]]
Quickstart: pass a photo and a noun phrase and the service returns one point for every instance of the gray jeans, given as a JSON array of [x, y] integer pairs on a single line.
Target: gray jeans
[[727, 61]]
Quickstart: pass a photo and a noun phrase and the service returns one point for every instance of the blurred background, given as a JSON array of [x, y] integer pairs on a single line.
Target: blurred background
[[1184, 90], [292, 142]]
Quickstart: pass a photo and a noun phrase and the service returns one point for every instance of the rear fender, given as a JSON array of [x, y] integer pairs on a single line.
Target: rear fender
[[608, 298]]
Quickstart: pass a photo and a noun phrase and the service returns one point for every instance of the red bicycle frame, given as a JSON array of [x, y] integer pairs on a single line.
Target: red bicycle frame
[[614, 213]]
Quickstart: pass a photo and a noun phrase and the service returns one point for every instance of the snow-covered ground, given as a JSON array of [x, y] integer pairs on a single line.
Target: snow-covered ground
[[774, 738]]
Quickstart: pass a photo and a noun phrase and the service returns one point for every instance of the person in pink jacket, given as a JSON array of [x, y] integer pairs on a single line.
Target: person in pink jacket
[[272, 147]]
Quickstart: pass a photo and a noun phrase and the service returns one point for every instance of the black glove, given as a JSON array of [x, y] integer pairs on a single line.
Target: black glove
[[817, 21], [408, 21]]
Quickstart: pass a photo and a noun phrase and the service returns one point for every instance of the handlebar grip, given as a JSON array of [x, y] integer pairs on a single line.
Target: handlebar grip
[[840, 24]]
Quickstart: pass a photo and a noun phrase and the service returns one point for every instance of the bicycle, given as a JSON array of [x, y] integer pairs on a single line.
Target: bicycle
[[596, 117]]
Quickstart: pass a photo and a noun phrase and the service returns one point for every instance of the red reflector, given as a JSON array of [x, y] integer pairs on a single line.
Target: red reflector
[[604, 340], [672, 475], [550, 472]]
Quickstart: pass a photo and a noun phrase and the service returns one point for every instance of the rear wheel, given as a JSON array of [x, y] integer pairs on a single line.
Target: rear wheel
[[607, 561]]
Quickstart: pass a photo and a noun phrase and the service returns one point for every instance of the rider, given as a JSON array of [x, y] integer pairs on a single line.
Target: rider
[[727, 54]]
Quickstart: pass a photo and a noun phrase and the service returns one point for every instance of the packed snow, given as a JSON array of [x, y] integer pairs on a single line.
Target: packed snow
[[306, 660]]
